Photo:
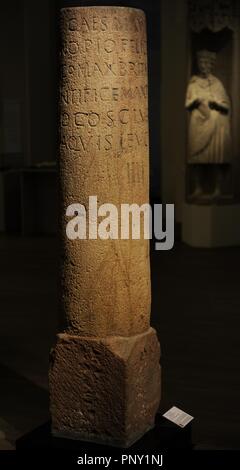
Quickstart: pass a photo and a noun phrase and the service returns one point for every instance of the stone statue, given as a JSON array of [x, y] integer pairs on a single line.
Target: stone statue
[[209, 137]]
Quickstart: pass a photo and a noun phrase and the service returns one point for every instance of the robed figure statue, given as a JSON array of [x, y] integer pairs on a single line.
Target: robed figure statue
[[209, 135]]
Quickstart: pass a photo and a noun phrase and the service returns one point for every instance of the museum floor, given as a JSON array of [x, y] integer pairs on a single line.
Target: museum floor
[[196, 310]]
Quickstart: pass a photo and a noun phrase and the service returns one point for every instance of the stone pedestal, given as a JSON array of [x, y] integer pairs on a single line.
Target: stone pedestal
[[211, 226], [104, 374], [105, 389]]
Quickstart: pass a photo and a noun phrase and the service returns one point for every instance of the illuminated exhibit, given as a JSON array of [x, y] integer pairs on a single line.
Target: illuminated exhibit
[[104, 373], [213, 118], [210, 125], [120, 230]]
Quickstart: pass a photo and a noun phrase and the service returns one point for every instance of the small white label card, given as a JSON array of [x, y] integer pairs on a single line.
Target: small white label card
[[178, 416]]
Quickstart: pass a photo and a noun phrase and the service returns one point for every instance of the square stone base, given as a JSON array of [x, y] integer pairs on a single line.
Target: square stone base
[[105, 390], [210, 226]]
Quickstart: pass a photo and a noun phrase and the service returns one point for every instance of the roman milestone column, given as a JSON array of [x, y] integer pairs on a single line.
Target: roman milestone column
[[104, 373]]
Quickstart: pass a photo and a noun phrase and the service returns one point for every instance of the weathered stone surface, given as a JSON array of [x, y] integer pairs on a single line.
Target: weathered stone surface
[[105, 373], [104, 152], [105, 390]]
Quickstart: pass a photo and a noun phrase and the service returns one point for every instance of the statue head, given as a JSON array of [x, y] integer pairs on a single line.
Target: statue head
[[206, 61]]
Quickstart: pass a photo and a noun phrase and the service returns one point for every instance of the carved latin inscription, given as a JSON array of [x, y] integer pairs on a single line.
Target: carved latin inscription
[[103, 96], [104, 145]]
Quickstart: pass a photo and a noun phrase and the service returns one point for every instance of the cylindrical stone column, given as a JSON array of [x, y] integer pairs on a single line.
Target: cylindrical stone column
[[105, 373]]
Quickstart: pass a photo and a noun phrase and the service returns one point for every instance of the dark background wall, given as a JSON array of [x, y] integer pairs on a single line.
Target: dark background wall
[[12, 64], [28, 77]]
